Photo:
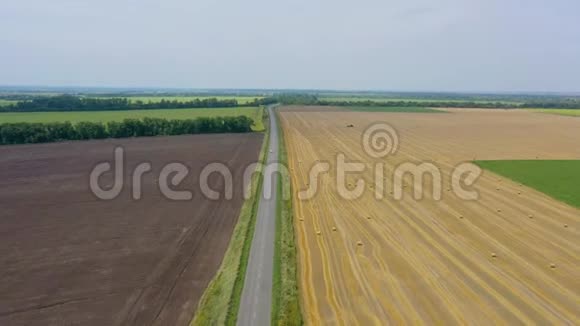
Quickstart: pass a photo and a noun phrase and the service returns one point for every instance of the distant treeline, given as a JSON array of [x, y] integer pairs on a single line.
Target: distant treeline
[[24, 133], [426, 104], [457, 104], [75, 103], [309, 99], [78, 103]]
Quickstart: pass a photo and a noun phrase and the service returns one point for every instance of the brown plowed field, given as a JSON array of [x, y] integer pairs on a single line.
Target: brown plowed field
[[435, 262], [68, 258]]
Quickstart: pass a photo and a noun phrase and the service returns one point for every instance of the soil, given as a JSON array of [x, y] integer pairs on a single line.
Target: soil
[[69, 258]]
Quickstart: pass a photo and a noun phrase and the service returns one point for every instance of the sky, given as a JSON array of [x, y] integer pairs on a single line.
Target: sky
[[396, 45]]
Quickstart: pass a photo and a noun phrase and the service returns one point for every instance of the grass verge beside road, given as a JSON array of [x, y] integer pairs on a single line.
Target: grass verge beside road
[[285, 299], [220, 302], [559, 179]]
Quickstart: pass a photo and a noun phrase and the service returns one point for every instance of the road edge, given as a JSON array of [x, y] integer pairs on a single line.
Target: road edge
[[220, 301]]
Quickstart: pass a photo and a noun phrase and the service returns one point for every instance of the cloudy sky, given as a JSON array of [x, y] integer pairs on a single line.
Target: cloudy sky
[[409, 45]]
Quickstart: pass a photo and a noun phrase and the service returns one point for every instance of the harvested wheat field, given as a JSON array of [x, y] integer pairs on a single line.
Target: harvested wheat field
[[512, 256]]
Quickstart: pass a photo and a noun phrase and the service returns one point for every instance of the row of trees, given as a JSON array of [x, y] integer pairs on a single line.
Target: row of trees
[[23, 133], [568, 104], [75, 103], [296, 99], [427, 104], [310, 99]]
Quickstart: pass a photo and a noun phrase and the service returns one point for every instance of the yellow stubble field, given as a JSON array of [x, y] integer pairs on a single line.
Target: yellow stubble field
[[504, 258]]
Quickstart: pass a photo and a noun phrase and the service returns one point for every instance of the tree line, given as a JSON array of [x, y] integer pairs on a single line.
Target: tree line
[[426, 104], [571, 104], [310, 99], [25, 133], [76, 103]]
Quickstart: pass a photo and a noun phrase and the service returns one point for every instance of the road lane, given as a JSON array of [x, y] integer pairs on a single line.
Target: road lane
[[256, 301]]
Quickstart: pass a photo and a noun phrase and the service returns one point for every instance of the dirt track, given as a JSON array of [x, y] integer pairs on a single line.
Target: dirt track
[[432, 261], [69, 259]]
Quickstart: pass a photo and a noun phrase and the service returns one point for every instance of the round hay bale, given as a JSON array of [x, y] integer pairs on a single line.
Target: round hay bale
[[552, 265], [359, 243], [493, 254]]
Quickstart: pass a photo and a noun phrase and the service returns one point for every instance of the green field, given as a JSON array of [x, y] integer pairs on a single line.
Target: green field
[[6, 102], [104, 116], [155, 99], [558, 179], [568, 112], [391, 109]]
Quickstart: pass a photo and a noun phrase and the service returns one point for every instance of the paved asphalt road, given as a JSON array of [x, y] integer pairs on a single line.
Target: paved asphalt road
[[256, 299]]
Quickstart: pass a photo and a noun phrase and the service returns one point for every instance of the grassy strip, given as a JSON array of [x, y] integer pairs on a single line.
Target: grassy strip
[[567, 112], [411, 109], [285, 299], [220, 302], [559, 179]]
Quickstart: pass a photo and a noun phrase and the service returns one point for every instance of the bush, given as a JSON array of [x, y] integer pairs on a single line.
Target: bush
[[118, 130], [91, 130], [61, 131]]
